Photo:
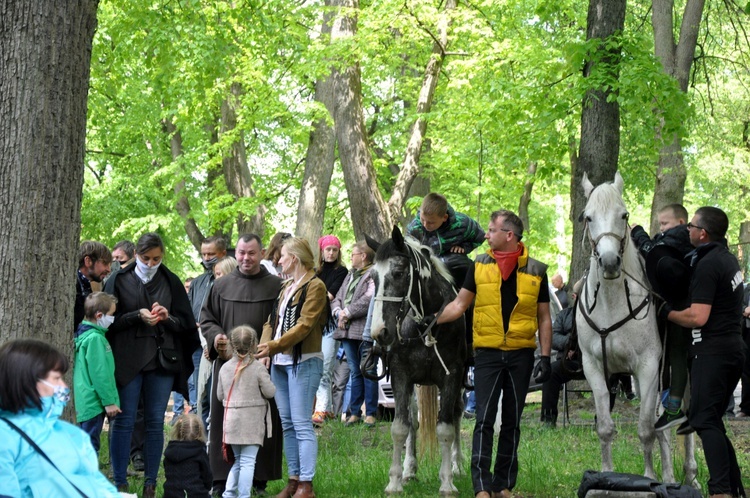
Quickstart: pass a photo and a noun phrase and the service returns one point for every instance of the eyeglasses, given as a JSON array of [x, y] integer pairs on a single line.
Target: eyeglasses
[[690, 225], [356, 254], [510, 231]]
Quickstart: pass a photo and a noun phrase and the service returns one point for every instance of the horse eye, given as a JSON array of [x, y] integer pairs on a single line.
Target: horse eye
[[625, 216], [398, 273]]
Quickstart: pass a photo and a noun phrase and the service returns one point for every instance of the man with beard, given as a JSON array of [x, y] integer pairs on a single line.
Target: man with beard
[[244, 297], [94, 263]]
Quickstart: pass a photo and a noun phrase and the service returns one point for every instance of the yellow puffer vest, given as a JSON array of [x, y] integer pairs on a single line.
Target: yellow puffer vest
[[488, 321]]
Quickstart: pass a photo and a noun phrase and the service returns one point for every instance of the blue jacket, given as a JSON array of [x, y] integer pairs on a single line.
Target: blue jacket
[[24, 473]]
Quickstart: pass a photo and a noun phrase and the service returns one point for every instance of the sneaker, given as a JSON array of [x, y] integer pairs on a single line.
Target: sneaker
[[138, 463], [684, 429], [370, 421], [353, 420], [668, 420], [469, 415]]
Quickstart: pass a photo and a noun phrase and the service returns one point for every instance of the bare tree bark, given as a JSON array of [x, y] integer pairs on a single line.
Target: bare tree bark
[[676, 60], [44, 78], [236, 172], [370, 213], [600, 122], [321, 155], [183, 205], [411, 167]]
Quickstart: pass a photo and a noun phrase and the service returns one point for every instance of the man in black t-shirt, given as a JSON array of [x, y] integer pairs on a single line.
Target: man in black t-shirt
[[715, 345]]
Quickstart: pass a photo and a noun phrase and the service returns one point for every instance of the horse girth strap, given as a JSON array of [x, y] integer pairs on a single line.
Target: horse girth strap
[[630, 316]]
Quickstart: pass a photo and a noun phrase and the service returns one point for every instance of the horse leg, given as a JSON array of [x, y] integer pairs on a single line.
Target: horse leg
[[450, 406], [605, 427], [400, 429], [410, 461], [690, 466], [646, 379], [457, 457]]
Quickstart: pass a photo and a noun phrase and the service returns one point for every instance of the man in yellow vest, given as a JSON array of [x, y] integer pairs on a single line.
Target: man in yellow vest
[[512, 303]]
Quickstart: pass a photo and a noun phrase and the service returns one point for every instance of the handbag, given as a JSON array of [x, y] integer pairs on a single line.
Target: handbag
[[42, 453], [227, 452], [168, 358]]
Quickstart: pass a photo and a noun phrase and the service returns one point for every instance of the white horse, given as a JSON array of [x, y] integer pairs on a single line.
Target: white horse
[[617, 330]]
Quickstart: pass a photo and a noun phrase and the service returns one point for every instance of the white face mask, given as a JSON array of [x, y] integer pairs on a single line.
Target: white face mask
[[105, 321], [147, 271]]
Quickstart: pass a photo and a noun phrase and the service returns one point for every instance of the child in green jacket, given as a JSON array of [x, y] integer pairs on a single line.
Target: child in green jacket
[[94, 374]]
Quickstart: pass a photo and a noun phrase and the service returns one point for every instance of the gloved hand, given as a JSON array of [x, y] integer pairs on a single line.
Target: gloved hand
[[663, 311], [542, 370], [426, 321]]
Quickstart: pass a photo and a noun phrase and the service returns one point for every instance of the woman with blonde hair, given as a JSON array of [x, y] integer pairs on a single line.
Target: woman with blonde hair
[[292, 340]]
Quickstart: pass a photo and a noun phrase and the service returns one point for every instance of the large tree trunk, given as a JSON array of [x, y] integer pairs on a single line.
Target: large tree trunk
[[321, 155], [182, 205], [44, 76], [411, 167], [600, 123], [369, 211], [676, 60], [236, 172], [528, 187]]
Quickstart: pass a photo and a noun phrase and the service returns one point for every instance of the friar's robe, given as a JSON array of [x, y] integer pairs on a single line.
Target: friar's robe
[[239, 299]]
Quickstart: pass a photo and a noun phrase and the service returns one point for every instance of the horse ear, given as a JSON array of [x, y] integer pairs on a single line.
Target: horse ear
[[619, 183], [397, 237], [372, 243], [587, 186]]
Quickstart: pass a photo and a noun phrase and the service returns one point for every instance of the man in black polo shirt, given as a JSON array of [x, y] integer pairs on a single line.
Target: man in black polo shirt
[[715, 345]]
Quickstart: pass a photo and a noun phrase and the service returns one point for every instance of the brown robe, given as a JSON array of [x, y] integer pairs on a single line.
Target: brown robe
[[239, 299]]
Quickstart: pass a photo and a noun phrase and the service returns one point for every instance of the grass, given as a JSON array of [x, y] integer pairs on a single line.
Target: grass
[[354, 461]]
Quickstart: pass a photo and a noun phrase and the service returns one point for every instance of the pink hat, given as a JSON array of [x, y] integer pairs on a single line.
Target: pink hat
[[329, 240]]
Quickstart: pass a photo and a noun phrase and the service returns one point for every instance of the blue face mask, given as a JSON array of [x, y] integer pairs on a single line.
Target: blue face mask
[[60, 393], [147, 271], [105, 321]]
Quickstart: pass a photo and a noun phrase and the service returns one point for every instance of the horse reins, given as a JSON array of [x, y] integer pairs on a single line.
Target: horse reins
[[414, 312]]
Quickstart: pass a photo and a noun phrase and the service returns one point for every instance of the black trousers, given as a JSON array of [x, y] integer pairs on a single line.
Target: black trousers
[[745, 399], [496, 372], [713, 379], [551, 390]]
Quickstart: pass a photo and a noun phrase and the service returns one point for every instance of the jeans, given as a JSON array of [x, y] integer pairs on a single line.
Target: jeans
[[155, 386], [240, 478], [713, 379], [323, 397], [294, 397], [93, 427], [498, 372], [363, 390], [179, 399]]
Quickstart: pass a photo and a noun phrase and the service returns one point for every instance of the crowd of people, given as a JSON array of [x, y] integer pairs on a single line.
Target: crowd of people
[[267, 344]]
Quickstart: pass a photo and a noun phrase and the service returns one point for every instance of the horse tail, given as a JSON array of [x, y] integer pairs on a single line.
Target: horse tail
[[427, 399]]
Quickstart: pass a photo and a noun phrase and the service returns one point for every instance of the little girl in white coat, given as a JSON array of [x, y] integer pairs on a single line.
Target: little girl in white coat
[[244, 387]]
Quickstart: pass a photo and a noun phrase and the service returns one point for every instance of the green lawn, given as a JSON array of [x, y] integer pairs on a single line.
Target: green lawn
[[354, 461]]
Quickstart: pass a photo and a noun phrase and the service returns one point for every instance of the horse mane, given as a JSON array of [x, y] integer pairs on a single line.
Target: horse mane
[[388, 249], [603, 197]]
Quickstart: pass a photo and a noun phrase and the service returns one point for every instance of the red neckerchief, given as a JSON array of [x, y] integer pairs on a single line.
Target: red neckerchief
[[506, 261]]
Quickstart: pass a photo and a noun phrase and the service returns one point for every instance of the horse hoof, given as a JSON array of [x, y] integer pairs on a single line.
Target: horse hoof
[[449, 492], [393, 491]]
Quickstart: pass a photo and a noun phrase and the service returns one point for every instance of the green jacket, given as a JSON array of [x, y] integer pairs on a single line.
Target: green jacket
[[94, 373]]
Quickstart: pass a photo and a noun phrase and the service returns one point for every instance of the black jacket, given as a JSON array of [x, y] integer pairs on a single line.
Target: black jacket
[[186, 470], [676, 237], [134, 342]]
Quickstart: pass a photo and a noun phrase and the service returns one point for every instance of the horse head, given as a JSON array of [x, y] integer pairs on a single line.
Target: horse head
[[606, 224], [405, 290]]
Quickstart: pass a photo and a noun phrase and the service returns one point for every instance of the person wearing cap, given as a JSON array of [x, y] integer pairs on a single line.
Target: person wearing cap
[[716, 349], [672, 241], [332, 272]]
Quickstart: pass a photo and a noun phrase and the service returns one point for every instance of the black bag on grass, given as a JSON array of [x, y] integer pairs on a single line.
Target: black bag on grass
[[615, 481]]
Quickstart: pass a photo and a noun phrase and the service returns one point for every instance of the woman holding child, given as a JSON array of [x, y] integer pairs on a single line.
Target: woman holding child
[[152, 338], [292, 339]]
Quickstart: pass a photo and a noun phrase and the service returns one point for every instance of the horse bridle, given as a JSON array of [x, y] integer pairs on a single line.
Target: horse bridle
[[408, 309], [622, 239]]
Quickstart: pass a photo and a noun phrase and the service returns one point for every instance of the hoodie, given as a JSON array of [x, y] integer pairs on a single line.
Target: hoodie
[[94, 373], [187, 470]]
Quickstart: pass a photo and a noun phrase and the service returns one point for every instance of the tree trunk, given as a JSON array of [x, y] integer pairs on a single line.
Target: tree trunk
[[321, 155], [411, 167], [369, 211], [676, 60], [44, 77], [236, 172], [523, 204], [182, 205], [600, 122]]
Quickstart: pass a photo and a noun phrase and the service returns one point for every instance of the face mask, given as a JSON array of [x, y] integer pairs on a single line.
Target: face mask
[[105, 321], [147, 271], [209, 265], [61, 394]]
